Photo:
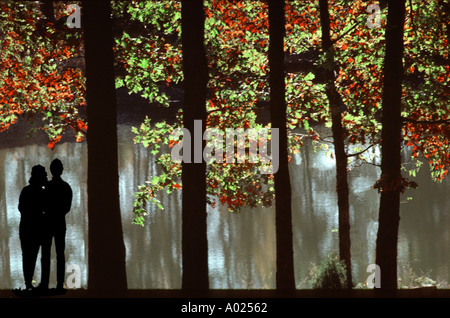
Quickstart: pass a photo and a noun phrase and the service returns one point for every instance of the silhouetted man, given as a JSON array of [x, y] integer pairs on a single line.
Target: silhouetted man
[[59, 201], [31, 207]]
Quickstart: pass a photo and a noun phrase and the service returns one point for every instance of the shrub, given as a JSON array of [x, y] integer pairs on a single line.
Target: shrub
[[330, 274]]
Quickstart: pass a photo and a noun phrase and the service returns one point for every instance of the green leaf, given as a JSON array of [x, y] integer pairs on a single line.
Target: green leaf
[[155, 180], [309, 77]]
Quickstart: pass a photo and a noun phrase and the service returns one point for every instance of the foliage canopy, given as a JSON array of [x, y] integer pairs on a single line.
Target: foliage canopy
[[42, 79]]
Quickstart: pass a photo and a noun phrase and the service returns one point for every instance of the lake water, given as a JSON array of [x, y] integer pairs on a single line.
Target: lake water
[[241, 246]]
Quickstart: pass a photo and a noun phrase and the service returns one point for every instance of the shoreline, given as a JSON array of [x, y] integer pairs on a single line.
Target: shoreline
[[421, 292]]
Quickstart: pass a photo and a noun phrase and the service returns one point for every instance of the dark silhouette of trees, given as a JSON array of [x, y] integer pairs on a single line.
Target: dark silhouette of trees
[[107, 272], [285, 278], [390, 182], [335, 101], [194, 227]]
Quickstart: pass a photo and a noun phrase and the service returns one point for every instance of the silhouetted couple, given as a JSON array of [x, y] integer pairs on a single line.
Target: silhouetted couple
[[43, 206]]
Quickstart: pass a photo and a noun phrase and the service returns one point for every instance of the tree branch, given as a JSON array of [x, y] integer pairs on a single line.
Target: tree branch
[[360, 152], [427, 122]]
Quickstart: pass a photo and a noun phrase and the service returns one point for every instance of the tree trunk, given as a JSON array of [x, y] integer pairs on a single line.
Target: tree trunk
[[390, 181], [335, 101], [285, 277], [107, 270], [194, 227]]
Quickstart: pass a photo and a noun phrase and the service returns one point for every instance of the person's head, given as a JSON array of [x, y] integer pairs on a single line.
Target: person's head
[[38, 175], [56, 167]]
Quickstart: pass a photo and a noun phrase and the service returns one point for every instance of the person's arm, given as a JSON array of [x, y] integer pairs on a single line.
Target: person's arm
[[24, 204], [69, 198]]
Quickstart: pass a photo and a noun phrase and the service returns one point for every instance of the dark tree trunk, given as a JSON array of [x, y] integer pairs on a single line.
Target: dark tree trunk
[[335, 102], [390, 181], [194, 229], [285, 278], [107, 271]]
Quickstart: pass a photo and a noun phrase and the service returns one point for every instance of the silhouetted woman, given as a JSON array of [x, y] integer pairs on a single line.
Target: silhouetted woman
[[31, 207]]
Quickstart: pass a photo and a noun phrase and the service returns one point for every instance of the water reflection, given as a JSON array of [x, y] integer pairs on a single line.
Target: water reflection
[[242, 246]]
